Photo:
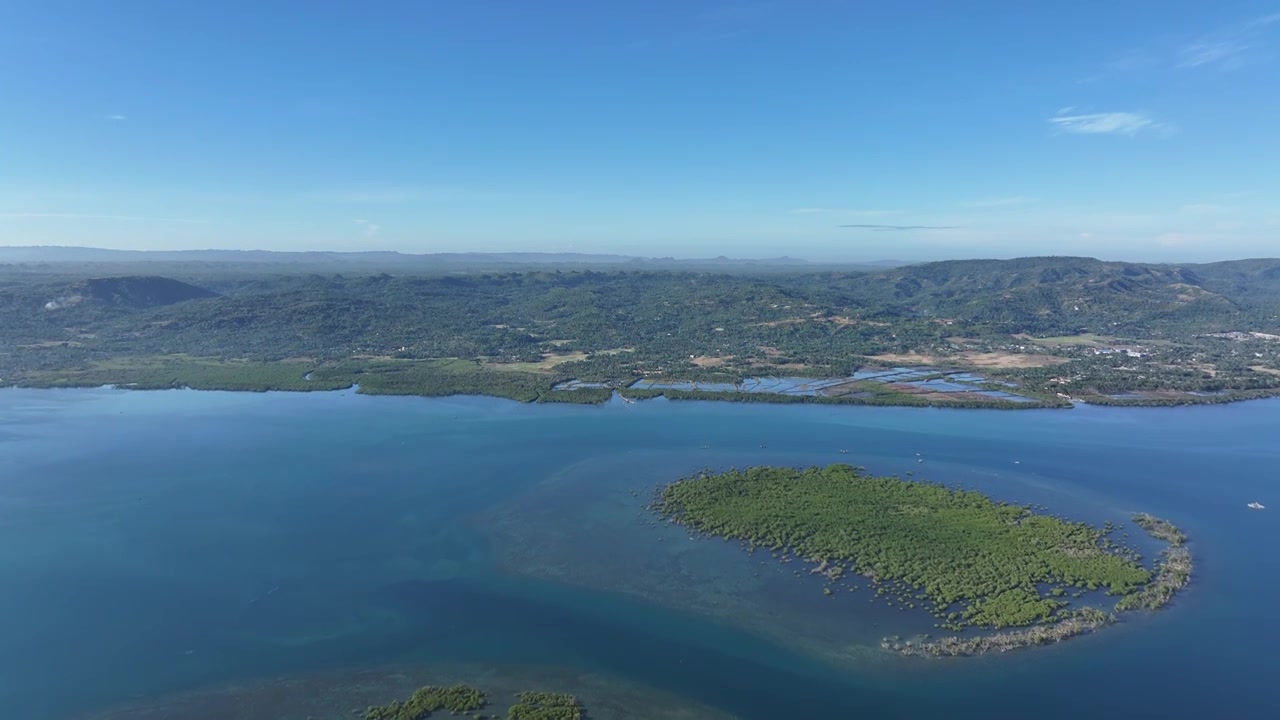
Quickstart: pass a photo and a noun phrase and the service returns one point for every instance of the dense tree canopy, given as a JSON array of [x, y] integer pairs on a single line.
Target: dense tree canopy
[[1105, 332], [977, 561]]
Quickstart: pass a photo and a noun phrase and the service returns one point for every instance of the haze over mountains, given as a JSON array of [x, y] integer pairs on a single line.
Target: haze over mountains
[[386, 259]]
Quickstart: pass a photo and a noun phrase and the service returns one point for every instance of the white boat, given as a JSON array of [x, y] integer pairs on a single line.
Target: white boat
[[1257, 506]]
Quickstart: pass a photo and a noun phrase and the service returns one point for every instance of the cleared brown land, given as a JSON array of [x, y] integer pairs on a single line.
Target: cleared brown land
[[549, 361], [1263, 369], [706, 361], [840, 320], [907, 358], [778, 323], [972, 358], [1009, 360]]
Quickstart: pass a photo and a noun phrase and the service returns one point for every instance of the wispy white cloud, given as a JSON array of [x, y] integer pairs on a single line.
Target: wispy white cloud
[[1230, 47], [1227, 54], [999, 202], [92, 216], [371, 229], [113, 118], [1225, 48], [1106, 123]]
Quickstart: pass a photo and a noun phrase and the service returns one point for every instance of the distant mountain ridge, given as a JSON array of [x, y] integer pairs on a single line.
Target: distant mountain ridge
[[383, 258], [86, 254]]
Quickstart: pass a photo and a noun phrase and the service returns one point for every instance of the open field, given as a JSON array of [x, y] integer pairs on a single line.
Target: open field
[[548, 362], [971, 359], [1087, 339]]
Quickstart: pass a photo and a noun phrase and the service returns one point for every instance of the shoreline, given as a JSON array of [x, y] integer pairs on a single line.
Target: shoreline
[[1172, 574], [632, 396], [1061, 620]]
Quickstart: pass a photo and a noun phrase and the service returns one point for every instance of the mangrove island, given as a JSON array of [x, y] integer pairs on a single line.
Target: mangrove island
[[463, 699], [973, 562]]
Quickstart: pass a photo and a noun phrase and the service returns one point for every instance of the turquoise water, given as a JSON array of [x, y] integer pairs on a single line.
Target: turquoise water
[[157, 542]]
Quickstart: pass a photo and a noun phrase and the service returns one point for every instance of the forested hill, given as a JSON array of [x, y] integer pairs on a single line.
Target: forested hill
[[1059, 294], [1199, 327]]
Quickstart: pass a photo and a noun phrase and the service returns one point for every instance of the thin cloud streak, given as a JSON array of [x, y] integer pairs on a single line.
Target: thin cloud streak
[[90, 216], [898, 228], [1226, 53], [1106, 123], [1229, 48], [114, 118], [371, 229]]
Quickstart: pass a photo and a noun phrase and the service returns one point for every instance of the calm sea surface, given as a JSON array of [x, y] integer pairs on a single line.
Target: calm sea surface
[[160, 542]]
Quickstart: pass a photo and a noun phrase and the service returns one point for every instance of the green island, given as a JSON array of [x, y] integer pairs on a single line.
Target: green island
[[428, 699], [545, 706], [972, 562], [462, 700], [1044, 332]]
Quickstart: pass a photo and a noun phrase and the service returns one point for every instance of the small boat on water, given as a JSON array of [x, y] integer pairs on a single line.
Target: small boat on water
[[1257, 506]]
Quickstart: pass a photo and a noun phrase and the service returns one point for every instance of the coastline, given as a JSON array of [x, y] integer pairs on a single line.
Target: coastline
[[602, 396], [745, 509]]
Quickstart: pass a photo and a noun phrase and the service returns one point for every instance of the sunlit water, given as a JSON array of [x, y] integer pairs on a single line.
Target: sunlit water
[[159, 542]]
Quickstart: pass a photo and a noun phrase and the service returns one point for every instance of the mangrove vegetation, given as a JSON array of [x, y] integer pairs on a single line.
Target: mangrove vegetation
[[426, 700], [466, 700], [545, 706], [971, 561]]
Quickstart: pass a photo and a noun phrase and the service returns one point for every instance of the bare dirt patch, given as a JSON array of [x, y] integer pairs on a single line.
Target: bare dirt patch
[[778, 323], [912, 358], [1009, 360], [1003, 360], [548, 361], [706, 361], [1264, 369], [1086, 339]]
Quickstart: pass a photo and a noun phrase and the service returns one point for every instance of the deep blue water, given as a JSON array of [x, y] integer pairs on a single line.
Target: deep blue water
[[152, 542]]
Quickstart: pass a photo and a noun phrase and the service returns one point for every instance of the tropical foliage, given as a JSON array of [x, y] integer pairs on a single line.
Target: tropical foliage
[[1105, 332], [426, 700], [978, 562]]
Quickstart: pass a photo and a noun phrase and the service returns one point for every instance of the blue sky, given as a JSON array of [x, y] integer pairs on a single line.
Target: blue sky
[[813, 128]]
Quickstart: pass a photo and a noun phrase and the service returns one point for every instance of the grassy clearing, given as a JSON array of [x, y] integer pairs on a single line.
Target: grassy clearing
[[972, 359], [178, 371], [548, 362]]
